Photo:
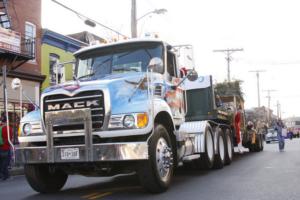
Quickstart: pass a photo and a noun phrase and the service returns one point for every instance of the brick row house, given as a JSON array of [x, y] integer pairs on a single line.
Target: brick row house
[[20, 53]]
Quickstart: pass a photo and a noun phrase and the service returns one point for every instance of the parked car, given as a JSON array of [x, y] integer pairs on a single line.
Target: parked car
[[271, 135]]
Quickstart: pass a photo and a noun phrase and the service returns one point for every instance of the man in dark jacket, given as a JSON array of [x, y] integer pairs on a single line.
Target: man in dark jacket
[[278, 127], [5, 150]]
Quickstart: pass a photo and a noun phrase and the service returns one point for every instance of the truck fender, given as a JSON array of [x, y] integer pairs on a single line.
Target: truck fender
[[196, 132], [162, 106]]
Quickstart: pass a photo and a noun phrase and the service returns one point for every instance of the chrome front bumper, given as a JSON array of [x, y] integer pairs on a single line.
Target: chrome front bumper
[[87, 152], [100, 152]]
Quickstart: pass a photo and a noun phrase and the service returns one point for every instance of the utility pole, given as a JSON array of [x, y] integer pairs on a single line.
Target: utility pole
[[278, 109], [269, 102], [133, 19], [228, 58], [258, 90], [4, 87]]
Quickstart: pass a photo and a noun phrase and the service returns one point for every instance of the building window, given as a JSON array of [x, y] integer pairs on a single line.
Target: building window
[[55, 71], [30, 35], [4, 21]]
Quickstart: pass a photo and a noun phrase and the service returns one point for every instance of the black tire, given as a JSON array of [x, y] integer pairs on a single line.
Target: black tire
[[206, 160], [228, 147], [221, 151], [149, 173], [44, 179], [257, 147], [268, 142], [252, 148]]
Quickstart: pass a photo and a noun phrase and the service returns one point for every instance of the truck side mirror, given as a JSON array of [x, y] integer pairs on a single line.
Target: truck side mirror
[[156, 64], [192, 76], [16, 84]]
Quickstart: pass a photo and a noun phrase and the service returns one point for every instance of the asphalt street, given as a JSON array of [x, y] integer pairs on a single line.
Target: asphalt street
[[267, 175]]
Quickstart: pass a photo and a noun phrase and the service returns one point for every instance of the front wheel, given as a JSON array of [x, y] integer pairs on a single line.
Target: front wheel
[[156, 173], [45, 179]]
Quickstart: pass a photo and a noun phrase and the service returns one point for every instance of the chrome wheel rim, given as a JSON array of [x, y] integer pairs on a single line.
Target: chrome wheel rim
[[164, 159]]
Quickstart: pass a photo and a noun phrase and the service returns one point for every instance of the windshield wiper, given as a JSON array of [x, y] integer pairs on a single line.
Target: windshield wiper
[[138, 85], [87, 75], [125, 69]]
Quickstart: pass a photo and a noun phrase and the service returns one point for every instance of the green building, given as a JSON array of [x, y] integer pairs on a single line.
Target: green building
[[56, 49]]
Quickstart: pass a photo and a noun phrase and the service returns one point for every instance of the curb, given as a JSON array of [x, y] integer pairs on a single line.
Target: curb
[[15, 171]]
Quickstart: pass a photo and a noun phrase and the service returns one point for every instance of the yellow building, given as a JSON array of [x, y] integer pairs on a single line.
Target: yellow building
[[56, 49]]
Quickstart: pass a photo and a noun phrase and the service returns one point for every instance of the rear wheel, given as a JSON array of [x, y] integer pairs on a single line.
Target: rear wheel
[[220, 157], [45, 179], [156, 173], [228, 147], [206, 160]]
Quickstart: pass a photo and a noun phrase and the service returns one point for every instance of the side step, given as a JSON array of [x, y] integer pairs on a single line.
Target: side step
[[190, 158]]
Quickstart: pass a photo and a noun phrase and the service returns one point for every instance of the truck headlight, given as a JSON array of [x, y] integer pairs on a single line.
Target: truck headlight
[[27, 128], [129, 121], [30, 128]]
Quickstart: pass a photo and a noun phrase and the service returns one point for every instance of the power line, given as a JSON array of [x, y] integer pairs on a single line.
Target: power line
[[228, 58], [258, 90], [88, 21]]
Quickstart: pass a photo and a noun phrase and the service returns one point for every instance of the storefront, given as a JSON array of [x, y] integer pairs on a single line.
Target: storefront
[[31, 89]]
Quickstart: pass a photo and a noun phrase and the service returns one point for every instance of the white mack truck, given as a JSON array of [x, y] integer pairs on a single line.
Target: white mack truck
[[128, 109]]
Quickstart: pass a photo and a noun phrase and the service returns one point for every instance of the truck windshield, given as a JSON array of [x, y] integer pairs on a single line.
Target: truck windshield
[[116, 60]]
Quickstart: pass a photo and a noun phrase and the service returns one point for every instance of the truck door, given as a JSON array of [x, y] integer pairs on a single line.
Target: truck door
[[174, 97]]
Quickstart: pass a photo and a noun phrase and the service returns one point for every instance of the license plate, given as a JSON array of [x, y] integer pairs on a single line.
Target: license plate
[[69, 154]]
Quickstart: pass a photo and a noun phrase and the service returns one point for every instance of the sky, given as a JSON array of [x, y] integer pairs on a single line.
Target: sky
[[267, 30]]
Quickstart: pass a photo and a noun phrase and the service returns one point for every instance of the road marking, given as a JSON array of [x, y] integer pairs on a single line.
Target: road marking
[[89, 195], [100, 195], [96, 195]]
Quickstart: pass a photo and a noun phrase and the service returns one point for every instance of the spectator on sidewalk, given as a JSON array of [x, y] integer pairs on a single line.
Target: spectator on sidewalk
[[5, 149], [279, 126], [290, 134]]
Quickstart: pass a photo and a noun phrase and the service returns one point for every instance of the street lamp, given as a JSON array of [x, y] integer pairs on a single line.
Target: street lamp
[[156, 11], [17, 85], [135, 20]]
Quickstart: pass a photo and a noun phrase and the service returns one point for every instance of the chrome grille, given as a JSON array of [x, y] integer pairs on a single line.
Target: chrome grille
[[87, 99]]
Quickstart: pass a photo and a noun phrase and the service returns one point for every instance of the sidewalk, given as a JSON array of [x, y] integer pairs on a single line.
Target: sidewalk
[[16, 170]]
